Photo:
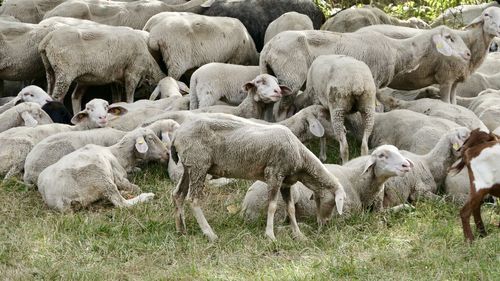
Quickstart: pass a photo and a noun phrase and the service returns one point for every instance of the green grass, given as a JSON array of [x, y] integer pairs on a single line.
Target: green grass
[[140, 243]]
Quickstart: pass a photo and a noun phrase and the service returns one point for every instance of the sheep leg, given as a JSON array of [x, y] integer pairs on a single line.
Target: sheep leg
[[274, 184], [117, 199], [131, 82], [61, 87], [178, 196], [453, 93], [322, 149], [290, 206], [124, 184], [368, 121], [444, 90], [49, 74], [339, 132], [76, 97]]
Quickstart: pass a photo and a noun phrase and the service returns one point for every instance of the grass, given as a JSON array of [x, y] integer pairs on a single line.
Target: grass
[[140, 243]]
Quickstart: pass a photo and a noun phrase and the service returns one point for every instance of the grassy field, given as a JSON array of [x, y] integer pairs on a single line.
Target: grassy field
[[140, 243]]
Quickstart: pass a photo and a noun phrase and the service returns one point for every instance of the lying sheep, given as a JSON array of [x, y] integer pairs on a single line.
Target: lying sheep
[[363, 180], [25, 114], [17, 142], [350, 20], [486, 106], [169, 87], [95, 172], [220, 83], [343, 85], [431, 107], [491, 64], [477, 83], [393, 56], [230, 146], [29, 93], [288, 21]]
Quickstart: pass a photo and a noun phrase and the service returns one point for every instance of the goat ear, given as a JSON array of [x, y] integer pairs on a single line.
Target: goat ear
[[117, 110], [285, 91], [441, 45], [315, 127], [79, 117], [369, 163], [29, 121], [183, 88], [141, 145]]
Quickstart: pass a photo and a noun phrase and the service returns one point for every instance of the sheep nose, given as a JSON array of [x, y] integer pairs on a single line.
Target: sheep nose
[[278, 92], [467, 55]]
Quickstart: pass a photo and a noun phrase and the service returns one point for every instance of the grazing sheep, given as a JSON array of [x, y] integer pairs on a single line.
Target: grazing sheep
[[25, 114], [481, 155], [187, 41], [17, 142], [73, 53], [486, 106], [350, 20], [30, 93], [95, 172], [53, 148], [363, 180], [288, 21], [462, 15], [220, 83], [343, 85], [169, 87], [393, 56], [230, 146], [431, 107]]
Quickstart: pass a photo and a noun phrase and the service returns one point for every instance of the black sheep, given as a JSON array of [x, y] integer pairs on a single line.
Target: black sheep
[[256, 15], [57, 112]]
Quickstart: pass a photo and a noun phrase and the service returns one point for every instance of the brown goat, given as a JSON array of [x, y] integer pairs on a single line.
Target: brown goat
[[478, 150]]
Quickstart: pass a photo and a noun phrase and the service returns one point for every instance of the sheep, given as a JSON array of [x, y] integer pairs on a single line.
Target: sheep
[[462, 14], [95, 172], [431, 107], [169, 87], [53, 148], [393, 56], [29, 93], [350, 20], [288, 21], [491, 64], [28, 11], [25, 114], [220, 83], [485, 106], [495, 44], [230, 146], [343, 84], [477, 83], [132, 14], [187, 41], [69, 54], [363, 180], [17, 142], [448, 73], [480, 154]]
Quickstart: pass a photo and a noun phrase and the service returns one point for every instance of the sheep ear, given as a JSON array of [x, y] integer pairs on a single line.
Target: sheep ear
[[368, 164], [339, 200], [29, 121], [141, 145], [248, 85], [285, 91], [315, 127], [165, 137], [479, 19], [155, 93], [183, 87], [79, 117], [19, 101], [117, 110], [207, 4], [411, 162], [441, 45], [311, 197]]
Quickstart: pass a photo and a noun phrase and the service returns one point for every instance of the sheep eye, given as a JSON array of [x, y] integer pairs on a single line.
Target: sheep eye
[[381, 155]]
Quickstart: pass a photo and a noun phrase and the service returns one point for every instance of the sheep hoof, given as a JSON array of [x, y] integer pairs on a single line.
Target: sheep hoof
[[271, 236], [212, 238], [299, 237], [145, 197]]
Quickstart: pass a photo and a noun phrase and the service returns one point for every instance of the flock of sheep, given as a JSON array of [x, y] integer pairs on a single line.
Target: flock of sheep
[[264, 82]]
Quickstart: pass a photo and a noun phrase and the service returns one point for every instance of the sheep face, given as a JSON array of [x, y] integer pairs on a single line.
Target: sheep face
[[387, 161], [490, 18], [34, 94], [450, 44], [265, 88], [149, 147], [457, 138], [326, 200], [96, 111]]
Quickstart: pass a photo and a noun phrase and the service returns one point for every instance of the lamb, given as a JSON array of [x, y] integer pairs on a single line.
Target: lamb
[[25, 114], [73, 53], [29, 93], [480, 154], [95, 172], [343, 84], [169, 87], [187, 41], [288, 21], [431, 107], [220, 83], [485, 106], [53, 148], [393, 56], [350, 20], [448, 73], [230, 146], [363, 180], [17, 142]]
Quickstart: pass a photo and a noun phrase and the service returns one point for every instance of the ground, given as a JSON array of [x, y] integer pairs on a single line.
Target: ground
[[140, 243]]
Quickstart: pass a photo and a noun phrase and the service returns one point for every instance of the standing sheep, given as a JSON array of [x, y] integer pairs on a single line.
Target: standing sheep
[[343, 85], [95, 172], [25, 114], [76, 54], [477, 83], [491, 64], [235, 147], [187, 41], [486, 106], [220, 83], [288, 21]]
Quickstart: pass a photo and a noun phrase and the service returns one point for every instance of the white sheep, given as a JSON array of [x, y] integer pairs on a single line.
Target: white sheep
[[95, 172], [220, 83], [477, 83], [343, 85], [288, 21], [17, 142], [230, 146], [486, 106], [362, 178], [169, 87], [491, 64], [29, 93], [462, 14], [25, 114]]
